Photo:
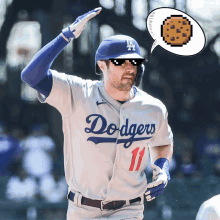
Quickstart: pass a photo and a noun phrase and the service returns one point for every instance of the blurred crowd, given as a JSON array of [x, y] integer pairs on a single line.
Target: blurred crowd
[[188, 87], [31, 169]]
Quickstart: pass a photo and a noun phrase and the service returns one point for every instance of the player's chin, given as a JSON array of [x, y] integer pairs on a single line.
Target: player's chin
[[126, 86]]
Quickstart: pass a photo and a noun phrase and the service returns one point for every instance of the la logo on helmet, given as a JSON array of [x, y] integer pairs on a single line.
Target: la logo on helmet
[[130, 45]]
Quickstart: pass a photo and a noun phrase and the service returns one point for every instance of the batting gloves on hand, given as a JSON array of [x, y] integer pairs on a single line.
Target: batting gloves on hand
[[160, 178], [75, 29]]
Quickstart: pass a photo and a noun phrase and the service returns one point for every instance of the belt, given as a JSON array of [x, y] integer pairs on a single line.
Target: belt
[[99, 203]]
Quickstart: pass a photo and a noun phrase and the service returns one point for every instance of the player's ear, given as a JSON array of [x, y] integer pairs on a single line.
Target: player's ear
[[102, 65]]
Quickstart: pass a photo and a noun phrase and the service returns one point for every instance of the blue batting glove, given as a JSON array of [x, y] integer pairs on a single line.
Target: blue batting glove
[[75, 29], [160, 178]]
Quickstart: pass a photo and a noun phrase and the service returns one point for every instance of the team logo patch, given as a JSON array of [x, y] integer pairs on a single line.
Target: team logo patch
[[130, 45]]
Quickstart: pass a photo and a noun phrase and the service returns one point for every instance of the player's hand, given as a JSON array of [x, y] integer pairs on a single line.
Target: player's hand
[[80, 22], [76, 28], [157, 186]]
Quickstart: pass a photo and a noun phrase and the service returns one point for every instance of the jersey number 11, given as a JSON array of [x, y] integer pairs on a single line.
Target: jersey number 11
[[134, 155]]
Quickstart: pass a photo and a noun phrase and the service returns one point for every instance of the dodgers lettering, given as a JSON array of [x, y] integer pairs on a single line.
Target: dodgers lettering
[[126, 130]]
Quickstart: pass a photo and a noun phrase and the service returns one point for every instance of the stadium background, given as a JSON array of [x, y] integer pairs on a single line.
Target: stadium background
[[188, 86]]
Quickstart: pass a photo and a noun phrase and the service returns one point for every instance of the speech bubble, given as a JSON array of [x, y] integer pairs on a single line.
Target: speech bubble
[[175, 31]]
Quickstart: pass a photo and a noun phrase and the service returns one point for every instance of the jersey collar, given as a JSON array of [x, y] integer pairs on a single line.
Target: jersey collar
[[111, 100]]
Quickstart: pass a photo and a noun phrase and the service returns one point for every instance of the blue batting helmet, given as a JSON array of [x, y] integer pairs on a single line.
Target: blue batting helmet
[[120, 46]]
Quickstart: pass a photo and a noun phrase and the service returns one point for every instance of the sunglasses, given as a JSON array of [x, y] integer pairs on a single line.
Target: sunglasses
[[134, 62]]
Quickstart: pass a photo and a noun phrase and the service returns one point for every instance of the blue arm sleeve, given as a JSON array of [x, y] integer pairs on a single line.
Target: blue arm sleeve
[[36, 74]]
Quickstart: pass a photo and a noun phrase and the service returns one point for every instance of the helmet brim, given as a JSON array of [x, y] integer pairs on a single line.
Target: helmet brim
[[130, 56]]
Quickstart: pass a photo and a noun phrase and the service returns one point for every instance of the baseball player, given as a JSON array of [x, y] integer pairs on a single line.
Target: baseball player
[[210, 209], [110, 127]]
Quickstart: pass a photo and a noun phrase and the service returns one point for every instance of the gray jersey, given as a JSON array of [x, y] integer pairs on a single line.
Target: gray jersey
[[106, 143]]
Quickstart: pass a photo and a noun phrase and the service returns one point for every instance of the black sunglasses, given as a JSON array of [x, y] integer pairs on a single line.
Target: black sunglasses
[[134, 62]]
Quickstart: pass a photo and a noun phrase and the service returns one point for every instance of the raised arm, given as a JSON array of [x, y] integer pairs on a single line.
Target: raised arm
[[37, 74]]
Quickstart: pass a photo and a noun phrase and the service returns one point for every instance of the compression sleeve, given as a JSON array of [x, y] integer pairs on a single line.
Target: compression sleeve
[[36, 74]]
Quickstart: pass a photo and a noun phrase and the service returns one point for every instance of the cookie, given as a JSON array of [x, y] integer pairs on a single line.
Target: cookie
[[176, 30]]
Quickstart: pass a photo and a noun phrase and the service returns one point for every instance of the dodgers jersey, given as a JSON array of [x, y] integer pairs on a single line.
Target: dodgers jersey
[[105, 142]]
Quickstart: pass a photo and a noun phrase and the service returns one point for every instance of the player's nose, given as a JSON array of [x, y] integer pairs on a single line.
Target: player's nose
[[128, 63]]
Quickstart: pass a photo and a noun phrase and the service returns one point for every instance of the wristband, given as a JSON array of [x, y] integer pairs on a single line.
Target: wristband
[[163, 163], [68, 34]]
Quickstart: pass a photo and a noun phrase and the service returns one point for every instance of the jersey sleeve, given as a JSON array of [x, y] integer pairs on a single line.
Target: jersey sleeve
[[62, 93], [164, 135]]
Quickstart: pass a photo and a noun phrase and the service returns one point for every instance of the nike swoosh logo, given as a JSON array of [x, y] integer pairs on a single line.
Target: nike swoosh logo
[[99, 103]]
